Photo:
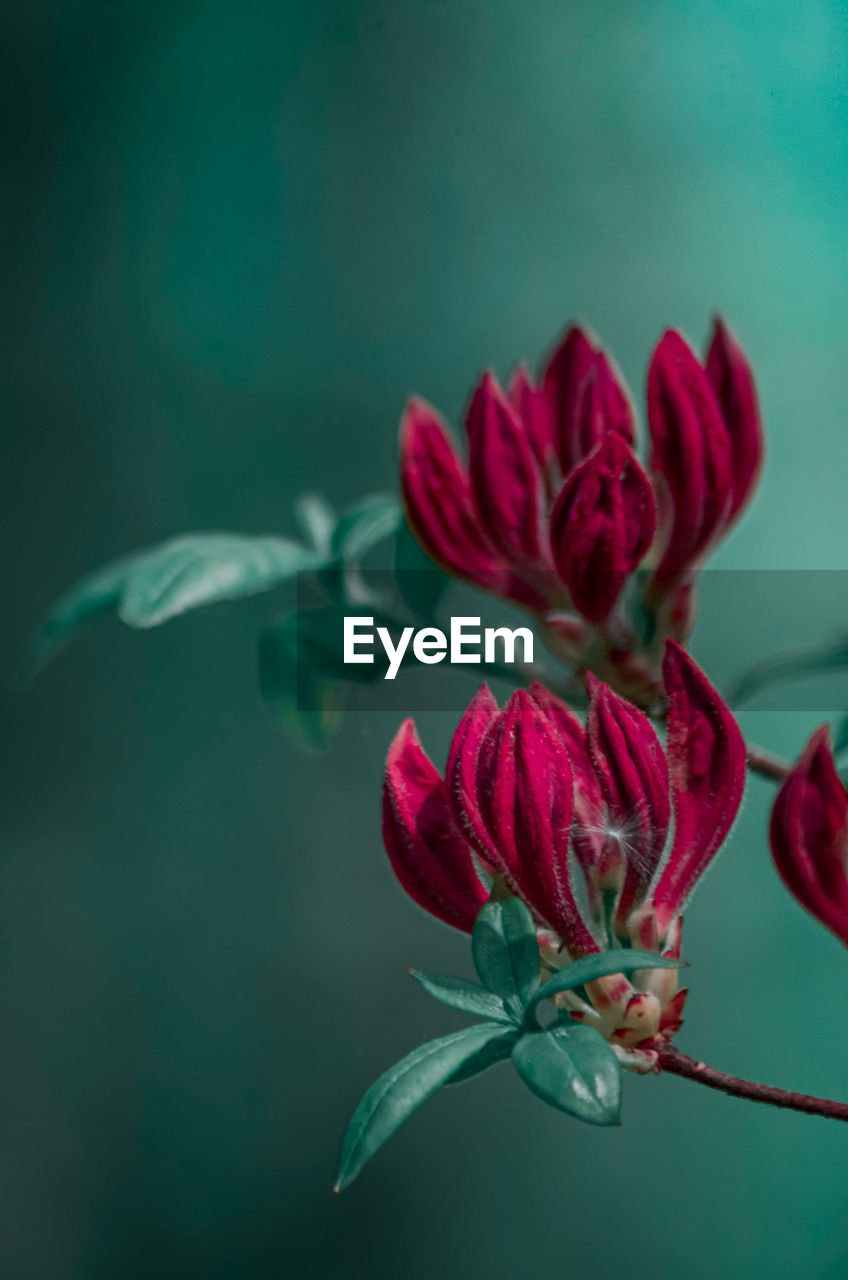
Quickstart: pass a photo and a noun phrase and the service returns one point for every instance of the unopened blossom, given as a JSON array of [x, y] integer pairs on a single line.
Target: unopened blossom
[[809, 835], [554, 510], [601, 831]]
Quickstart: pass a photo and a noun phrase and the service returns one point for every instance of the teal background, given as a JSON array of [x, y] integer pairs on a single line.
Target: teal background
[[237, 235]]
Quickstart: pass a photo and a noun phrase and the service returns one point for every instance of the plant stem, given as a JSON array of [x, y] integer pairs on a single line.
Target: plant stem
[[676, 1063], [767, 765]]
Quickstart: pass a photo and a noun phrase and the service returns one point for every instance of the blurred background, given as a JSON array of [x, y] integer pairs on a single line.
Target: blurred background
[[237, 235]]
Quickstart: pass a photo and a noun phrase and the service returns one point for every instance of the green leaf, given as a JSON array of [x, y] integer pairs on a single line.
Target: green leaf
[[792, 665], [489, 1056], [458, 993], [572, 1068], [201, 569], [316, 520], [364, 525], [588, 968], [505, 951], [96, 594], [189, 572], [420, 582], [306, 702], [404, 1087]]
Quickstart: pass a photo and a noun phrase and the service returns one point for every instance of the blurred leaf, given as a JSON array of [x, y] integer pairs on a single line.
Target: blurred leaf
[[316, 521], [364, 525], [793, 665], [572, 1068], [310, 705], [458, 993], [420, 582], [505, 951], [404, 1087], [588, 968], [189, 572]]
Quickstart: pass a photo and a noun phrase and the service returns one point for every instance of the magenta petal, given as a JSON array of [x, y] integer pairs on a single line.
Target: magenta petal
[[706, 758], [809, 835], [633, 774], [563, 379], [504, 476], [690, 456], [601, 526], [587, 827], [524, 793], [531, 405], [601, 405], [438, 499], [461, 771], [733, 382], [428, 854]]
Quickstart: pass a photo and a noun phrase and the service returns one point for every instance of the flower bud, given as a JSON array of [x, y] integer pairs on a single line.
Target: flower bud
[[602, 525], [690, 458], [809, 835], [733, 382], [707, 763], [429, 856]]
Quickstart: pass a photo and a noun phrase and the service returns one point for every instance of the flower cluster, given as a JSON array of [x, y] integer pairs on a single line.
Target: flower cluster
[[809, 835], [555, 512], [599, 831]]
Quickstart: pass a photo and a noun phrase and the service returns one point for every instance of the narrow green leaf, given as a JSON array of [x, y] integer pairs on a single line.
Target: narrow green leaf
[[404, 1087], [364, 525], [96, 594], [489, 1056], [420, 582], [200, 569], [316, 520], [505, 950], [588, 968], [152, 586], [466, 996], [572, 1068]]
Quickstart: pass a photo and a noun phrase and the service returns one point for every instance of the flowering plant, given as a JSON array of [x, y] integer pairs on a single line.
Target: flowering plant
[[566, 847]]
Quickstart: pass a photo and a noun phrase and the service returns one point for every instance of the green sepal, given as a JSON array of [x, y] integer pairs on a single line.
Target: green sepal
[[572, 1068], [505, 951], [403, 1088], [468, 997], [599, 965]]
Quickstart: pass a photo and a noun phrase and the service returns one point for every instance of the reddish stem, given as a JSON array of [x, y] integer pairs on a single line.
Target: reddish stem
[[680, 1064], [767, 765]]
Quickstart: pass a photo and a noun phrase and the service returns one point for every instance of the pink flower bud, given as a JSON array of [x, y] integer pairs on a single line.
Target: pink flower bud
[[587, 398], [602, 525], [706, 758], [461, 772], [504, 476], [525, 798], [690, 458], [429, 856], [532, 406], [733, 382], [633, 775], [438, 499], [809, 835]]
